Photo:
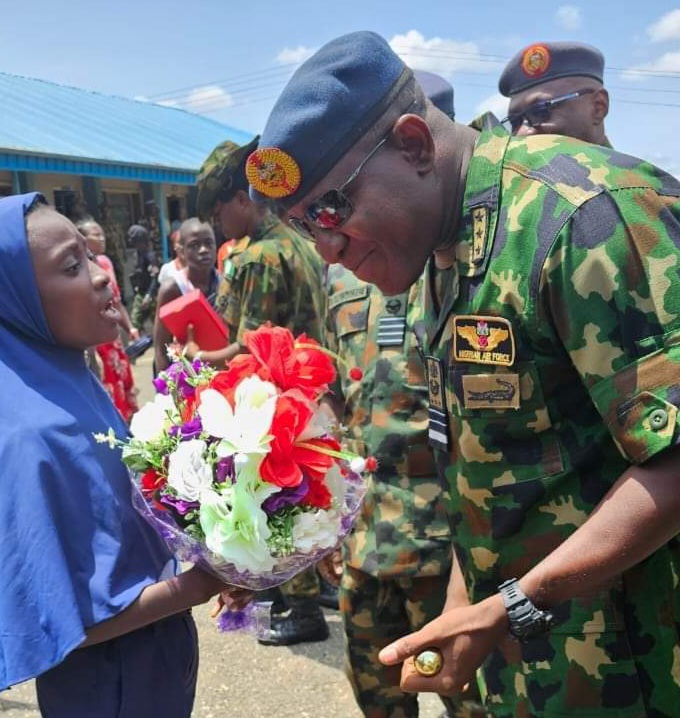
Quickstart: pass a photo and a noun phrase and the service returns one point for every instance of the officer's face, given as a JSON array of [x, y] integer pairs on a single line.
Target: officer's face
[[574, 116], [231, 217], [393, 225]]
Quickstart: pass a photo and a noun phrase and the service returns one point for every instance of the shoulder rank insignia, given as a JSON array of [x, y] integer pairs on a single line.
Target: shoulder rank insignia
[[438, 417], [483, 340], [273, 172]]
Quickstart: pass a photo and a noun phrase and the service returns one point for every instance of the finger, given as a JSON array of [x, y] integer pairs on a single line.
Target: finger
[[190, 333], [446, 683], [407, 646]]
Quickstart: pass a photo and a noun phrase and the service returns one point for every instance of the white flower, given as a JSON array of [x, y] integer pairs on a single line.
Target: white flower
[[315, 529], [245, 429], [188, 471], [235, 526], [150, 421], [336, 485]]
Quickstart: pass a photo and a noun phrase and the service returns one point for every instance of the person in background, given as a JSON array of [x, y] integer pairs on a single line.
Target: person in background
[[397, 558], [197, 246], [174, 266], [143, 277], [549, 327], [116, 371], [272, 275], [556, 88], [90, 606]]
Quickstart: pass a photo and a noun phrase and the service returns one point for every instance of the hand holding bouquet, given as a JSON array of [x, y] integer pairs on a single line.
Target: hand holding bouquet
[[237, 470]]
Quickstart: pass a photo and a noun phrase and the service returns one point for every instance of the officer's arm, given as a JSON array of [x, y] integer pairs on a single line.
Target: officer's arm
[[639, 514]]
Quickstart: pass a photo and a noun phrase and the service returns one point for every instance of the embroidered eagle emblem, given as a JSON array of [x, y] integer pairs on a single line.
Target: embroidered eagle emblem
[[486, 340]]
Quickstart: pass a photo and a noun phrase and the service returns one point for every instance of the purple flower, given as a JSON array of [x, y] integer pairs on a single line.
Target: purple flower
[[225, 470], [181, 506], [161, 385], [286, 496], [237, 620], [192, 429]]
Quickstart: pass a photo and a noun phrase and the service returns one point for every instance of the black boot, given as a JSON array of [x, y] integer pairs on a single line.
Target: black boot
[[274, 595], [329, 594], [304, 623]]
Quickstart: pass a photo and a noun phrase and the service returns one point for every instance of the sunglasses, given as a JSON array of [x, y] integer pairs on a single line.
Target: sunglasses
[[539, 113], [333, 208]]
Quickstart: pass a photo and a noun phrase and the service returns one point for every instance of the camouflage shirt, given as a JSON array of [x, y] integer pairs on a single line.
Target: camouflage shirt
[[275, 276], [558, 332], [403, 527]]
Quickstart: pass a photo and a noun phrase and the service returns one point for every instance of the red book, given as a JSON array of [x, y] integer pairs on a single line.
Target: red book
[[210, 332]]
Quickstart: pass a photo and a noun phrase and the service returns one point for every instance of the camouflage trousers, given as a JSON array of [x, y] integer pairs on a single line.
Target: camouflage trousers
[[375, 612], [303, 585]]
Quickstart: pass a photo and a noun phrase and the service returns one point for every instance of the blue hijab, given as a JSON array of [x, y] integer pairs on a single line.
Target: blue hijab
[[73, 551]]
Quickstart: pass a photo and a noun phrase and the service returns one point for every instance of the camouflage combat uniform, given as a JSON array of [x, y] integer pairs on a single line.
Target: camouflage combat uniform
[[398, 556], [558, 332], [274, 276]]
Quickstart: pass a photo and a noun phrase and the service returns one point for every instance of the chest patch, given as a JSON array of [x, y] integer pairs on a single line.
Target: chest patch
[[491, 391], [483, 340]]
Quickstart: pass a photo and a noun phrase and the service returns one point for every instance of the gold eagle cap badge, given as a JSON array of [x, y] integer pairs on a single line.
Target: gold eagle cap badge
[[273, 172], [536, 60]]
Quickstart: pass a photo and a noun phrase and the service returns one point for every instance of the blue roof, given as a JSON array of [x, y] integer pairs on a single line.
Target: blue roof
[[47, 127]]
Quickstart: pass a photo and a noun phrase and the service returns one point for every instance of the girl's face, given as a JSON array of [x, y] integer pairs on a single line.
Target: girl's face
[[95, 238], [75, 292]]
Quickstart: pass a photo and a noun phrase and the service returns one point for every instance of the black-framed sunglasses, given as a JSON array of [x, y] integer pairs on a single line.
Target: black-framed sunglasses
[[334, 207], [539, 113]]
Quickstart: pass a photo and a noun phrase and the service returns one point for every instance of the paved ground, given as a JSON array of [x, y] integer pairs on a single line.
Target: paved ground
[[238, 678]]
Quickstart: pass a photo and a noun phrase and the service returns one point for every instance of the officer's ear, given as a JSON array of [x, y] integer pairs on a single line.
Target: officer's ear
[[600, 105], [412, 137]]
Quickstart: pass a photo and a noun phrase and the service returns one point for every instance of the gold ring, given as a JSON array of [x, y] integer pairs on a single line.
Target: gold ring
[[428, 662]]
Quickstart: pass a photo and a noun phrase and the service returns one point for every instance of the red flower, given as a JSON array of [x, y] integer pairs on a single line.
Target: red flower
[[371, 463], [151, 481], [318, 495], [287, 458], [292, 363]]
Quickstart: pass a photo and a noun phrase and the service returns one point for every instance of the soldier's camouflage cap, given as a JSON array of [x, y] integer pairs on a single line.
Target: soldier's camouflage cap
[[544, 61], [221, 175], [330, 102]]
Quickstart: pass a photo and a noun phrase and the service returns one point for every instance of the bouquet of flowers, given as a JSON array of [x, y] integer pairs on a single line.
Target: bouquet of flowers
[[237, 469]]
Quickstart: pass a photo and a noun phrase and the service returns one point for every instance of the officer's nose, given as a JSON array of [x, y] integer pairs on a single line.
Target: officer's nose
[[330, 245]]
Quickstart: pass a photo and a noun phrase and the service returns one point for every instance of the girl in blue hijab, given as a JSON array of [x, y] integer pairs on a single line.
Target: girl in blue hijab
[[84, 606]]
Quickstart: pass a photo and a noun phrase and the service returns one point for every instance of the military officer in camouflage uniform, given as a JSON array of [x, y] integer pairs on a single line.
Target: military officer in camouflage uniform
[[551, 330], [397, 558], [272, 275], [556, 88]]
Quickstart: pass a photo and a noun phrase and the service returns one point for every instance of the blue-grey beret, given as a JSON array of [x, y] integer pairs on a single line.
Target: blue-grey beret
[[330, 102], [544, 61], [437, 89]]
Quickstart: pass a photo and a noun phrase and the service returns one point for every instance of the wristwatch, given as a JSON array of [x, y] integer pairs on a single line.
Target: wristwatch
[[526, 620]]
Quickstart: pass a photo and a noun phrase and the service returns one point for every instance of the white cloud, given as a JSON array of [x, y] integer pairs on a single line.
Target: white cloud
[[495, 103], [666, 27], [294, 56], [569, 17], [444, 57], [668, 62], [203, 99]]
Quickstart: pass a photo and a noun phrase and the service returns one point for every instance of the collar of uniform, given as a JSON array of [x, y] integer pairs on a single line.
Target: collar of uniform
[[239, 246], [264, 225], [482, 195]]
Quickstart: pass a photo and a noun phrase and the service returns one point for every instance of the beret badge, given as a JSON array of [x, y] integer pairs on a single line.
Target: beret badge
[[536, 60], [273, 172]]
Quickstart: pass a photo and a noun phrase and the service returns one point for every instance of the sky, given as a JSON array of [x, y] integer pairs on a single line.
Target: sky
[[229, 60]]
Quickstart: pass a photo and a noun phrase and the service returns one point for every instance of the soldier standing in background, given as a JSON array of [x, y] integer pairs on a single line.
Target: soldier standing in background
[[556, 88], [272, 275]]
